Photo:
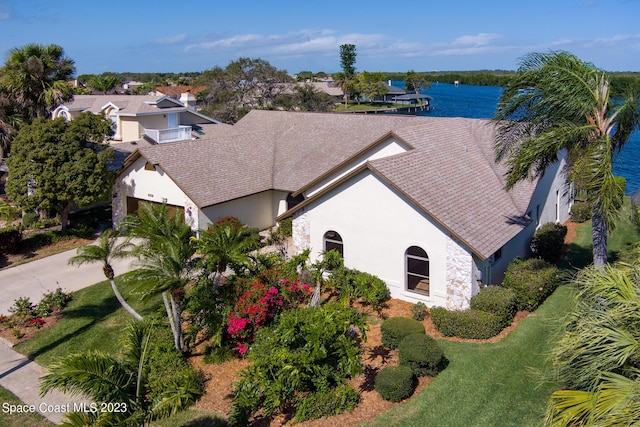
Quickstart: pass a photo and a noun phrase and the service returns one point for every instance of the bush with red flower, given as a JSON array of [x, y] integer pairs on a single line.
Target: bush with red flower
[[257, 306]]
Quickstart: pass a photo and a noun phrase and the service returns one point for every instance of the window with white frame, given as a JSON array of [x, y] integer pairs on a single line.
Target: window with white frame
[[332, 240], [417, 270]]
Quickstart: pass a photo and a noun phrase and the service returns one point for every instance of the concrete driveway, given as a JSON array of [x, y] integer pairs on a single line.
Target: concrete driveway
[[36, 278]]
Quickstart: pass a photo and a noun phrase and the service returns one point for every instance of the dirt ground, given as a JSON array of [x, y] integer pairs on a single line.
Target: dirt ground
[[219, 378]]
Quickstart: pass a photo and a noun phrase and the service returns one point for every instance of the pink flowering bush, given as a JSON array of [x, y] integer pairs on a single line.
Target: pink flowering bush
[[259, 304]]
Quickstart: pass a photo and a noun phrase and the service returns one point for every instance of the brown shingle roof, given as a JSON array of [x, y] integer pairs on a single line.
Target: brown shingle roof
[[449, 173]]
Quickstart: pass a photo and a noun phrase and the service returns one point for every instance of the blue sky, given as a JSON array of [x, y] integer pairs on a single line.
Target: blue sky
[[175, 36]]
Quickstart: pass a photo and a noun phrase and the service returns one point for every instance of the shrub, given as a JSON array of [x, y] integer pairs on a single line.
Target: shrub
[[421, 353], [10, 238], [548, 241], [532, 280], [308, 350], [53, 301], [419, 311], [29, 218], [351, 284], [473, 324], [217, 354], [395, 383], [497, 300], [396, 328], [327, 403], [580, 212], [258, 305]]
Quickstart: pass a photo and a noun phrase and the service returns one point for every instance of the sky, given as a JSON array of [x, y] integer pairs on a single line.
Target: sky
[[426, 35]]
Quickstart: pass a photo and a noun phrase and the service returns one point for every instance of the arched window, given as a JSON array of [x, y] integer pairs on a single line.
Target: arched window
[[332, 240], [417, 268]]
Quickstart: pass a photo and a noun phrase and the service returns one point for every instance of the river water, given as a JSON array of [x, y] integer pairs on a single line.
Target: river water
[[480, 102]]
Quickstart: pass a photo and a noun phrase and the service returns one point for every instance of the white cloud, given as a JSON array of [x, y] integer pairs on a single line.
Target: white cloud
[[481, 39], [171, 40]]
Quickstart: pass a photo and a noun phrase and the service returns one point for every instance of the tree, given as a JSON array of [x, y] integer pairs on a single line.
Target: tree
[[130, 385], [243, 85], [55, 164], [165, 259], [414, 81], [103, 83], [10, 120], [557, 103], [348, 60], [35, 77], [370, 85], [597, 358], [107, 249]]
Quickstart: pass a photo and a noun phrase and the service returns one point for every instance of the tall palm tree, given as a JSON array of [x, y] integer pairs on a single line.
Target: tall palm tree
[[35, 76], [107, 250], [557, 103], [165, 258], [121, 382], [598, 356]]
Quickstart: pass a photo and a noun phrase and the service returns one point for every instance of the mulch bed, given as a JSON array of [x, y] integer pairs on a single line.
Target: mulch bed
[[219, 378]]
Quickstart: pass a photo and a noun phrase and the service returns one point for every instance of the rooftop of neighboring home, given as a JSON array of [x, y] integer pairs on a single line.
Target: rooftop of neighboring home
[[130, 105], [448, 172]]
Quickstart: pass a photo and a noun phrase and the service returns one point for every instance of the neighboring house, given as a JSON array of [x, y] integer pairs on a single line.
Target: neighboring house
[[417, 201], [187, 95], [161, 118]]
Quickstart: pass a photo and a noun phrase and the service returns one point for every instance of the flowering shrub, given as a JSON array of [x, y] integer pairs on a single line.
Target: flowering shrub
[[258, 305], [37, 322], [3, 318]]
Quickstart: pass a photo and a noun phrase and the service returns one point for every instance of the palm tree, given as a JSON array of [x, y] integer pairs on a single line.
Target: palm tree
[[556, 103], [35, 77], [222, 245], [598, 356], [121, 382], [165, 259], [107, 249], [103, 83]]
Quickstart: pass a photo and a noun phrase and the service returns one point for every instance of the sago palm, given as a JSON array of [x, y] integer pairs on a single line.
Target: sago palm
[[108, 249], [122, 382], [555, 104], [598, 355]]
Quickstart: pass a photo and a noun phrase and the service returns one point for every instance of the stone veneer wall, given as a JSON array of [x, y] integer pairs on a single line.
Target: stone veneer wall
[[301, 232], [459, 278]]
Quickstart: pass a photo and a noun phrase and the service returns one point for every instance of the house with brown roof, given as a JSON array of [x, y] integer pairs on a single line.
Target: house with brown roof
[[417, 201], [160, 118]]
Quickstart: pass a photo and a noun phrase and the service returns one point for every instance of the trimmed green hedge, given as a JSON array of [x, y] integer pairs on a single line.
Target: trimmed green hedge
[[548, 241], [395, 383], [10, 238], [351, 284], [474, 324], [396, 328], [421, 353], [532, 280], [326, 403], [497, 300], [580, 212]]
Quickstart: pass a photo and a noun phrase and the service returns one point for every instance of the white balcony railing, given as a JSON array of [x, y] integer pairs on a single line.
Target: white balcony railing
[[160, 136]]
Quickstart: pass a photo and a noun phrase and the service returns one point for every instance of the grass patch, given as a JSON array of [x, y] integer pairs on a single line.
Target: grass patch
[[490, 384], [93, 320], [580, 253], [192, 418], [19, 420]]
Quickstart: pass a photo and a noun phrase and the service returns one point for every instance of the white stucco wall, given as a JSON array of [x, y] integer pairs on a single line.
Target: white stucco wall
[[257, 210], [386, 148], [151, 185], [377, 226]]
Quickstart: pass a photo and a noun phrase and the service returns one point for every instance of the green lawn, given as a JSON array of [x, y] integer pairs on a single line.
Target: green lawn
[[19, 420], [489, 384], [579, 253], [92, 320]]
